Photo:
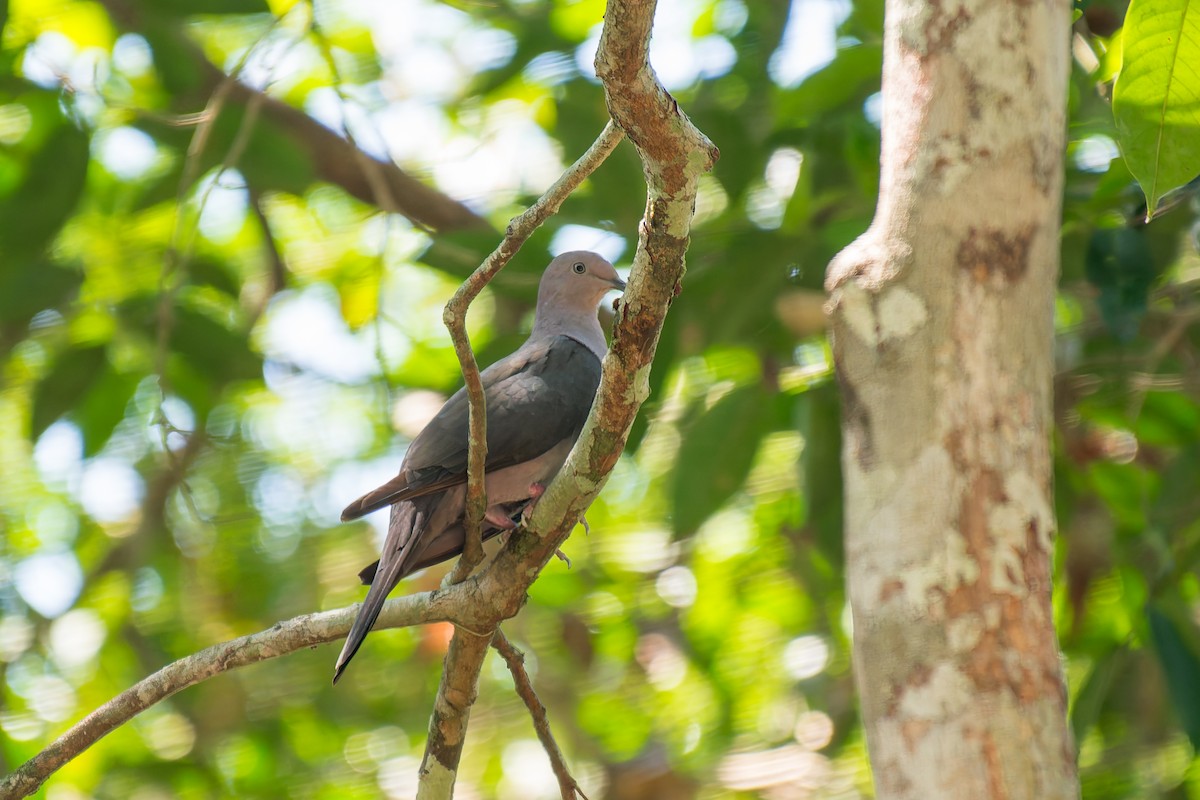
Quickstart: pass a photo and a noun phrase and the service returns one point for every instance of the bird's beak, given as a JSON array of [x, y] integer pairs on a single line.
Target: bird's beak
[[618, 284]]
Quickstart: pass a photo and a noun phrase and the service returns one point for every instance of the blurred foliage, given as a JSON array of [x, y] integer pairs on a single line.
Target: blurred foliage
[[206, 352]]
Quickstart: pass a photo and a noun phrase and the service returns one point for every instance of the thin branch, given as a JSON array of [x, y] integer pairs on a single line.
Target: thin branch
[[568, 787], [281, 639], [674, 155], [334, 159], [464, 659], [451, 711], [152, 517], [278, 268], [376, 181], [455, 318]]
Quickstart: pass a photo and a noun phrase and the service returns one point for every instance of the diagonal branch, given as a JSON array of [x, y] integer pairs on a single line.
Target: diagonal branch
[[464, 659], [281, 639], [455, 319], [567, 785], [674, 155]]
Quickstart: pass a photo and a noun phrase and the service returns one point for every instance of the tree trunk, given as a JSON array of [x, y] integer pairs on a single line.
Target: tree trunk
[[943, 338]]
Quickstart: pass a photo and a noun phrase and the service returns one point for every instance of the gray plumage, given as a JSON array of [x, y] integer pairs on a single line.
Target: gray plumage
[[537, 401]]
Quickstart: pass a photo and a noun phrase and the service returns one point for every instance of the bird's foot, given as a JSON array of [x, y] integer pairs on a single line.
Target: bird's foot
[[563, 557], [535, 490], [587, 529], [496, 516]]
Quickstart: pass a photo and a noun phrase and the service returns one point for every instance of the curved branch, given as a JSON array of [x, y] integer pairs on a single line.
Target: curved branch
[[464, 659], [279, 640], [455, 319], [674, 155], [568, 787]]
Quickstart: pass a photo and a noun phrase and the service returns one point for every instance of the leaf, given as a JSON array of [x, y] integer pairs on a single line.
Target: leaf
[[1156, 99], [208, 271], [853, 73], [1178, 503], [821, 425], [717, 453], [83, 386], [1120, 265], [214, 353], [1176, 641], [27, 287], [215, 350], [72, 375], [102, 407], [190, 7], [47, 193], [1089, 701]]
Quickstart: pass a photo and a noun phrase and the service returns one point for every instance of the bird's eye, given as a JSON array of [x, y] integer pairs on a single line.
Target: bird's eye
[[579, 267]]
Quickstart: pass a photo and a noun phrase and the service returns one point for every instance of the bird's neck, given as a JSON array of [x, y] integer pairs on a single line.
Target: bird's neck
[[580, 326]]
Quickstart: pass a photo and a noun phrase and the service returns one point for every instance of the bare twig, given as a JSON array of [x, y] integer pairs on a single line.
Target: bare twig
[[567, 785], [455, 318], [152, 517], [674, 156], [376, 181], [281, 639], [278, 268], [448, 723]]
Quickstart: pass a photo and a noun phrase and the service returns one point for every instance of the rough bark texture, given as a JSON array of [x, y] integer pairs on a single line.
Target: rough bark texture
[[674, 155], [943, 331], [281, 639]]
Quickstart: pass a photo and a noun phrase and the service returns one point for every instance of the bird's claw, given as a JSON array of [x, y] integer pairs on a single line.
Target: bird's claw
[[563, 557], [496, 516], [587, 529]]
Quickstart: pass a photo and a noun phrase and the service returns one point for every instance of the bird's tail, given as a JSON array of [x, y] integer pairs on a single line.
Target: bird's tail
[[404, 532]]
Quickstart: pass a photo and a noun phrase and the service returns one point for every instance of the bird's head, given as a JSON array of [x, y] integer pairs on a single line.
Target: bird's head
[[578, 279]]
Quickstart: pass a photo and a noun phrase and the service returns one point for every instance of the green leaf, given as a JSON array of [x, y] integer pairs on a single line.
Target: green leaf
[[190, 7], [27, 287], [72, 375], [1156, 100], [854, 73], [1120, 265], [821, 424], [1178, 502], [102, 407], [1089, 702], [214, 353], [1176, 640], [717, 453], [215, 350], [47, 193]]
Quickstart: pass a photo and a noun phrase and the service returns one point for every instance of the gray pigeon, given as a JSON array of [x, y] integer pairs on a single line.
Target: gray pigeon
[[537, 401]]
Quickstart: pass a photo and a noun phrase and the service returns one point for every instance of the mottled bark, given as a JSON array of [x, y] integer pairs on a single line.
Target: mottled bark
[[943, 330]]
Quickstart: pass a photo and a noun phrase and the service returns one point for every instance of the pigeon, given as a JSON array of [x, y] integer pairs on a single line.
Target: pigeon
[[537, 401]]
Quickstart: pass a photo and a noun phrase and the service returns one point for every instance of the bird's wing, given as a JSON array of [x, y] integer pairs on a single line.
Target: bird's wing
[[536, 398]]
